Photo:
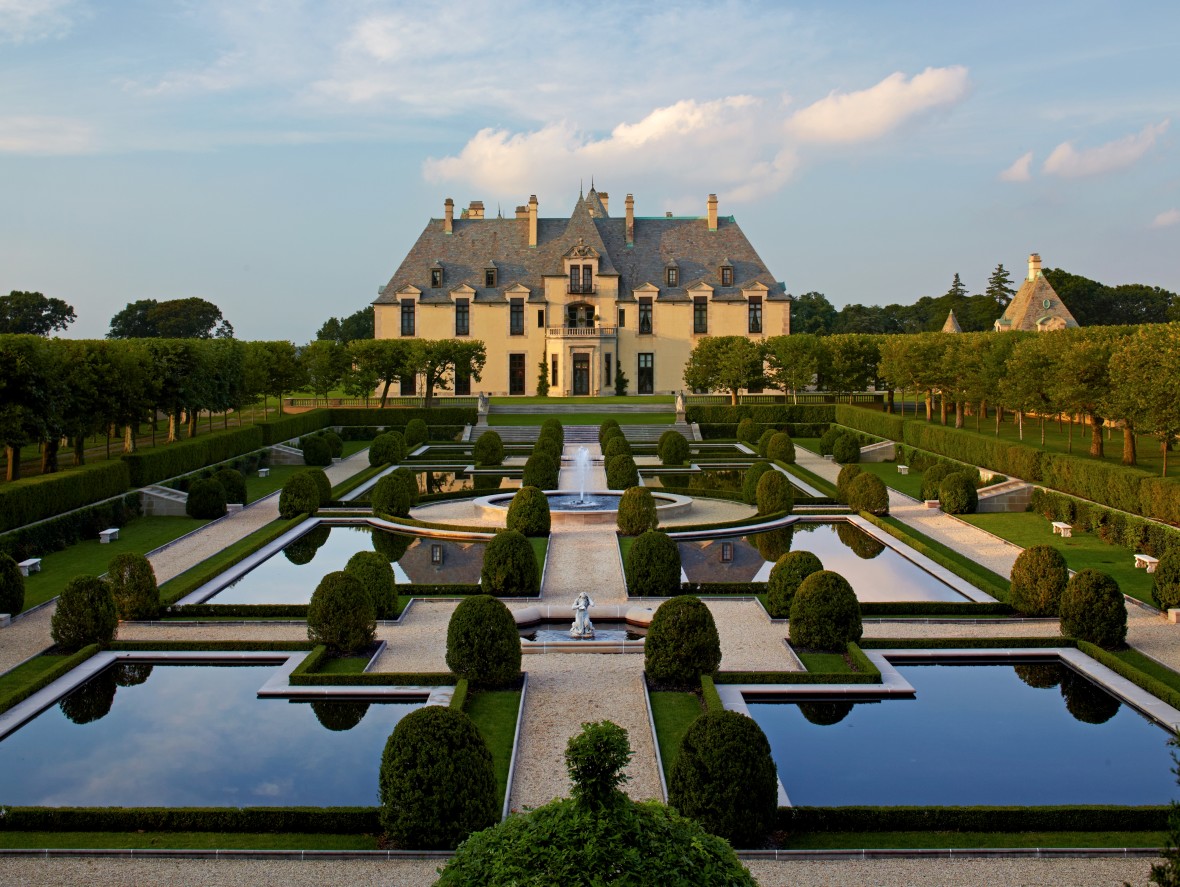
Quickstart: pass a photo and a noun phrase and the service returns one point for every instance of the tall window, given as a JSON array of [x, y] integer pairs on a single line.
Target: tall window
[[462, 382], [435, 278], [726, 276], [700, 315], [516, 317], [645, 315], [587, 278], [540, 318], [622, 317], [408, 317], [673, 277], [553, 371], [409, 385], [516, 373], [489, 277], [462, 317], [755, 314], [607, 370], [575, 278], [647, 373]]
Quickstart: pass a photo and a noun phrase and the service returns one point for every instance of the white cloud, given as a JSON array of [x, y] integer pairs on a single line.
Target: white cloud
[[45, 135], [26, 21], [1166, 219], [1068, 162], [870, 113], [726, 140], [1019, 171]]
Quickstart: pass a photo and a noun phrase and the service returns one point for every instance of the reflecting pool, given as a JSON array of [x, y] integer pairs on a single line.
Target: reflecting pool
[[988, 734], [167, 735], [875, 571]]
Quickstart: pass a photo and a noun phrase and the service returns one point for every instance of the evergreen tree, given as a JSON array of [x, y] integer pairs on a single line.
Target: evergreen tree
[[999, 286], [957, 290]]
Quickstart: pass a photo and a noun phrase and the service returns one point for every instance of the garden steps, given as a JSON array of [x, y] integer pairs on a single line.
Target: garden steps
[[559, 409], [1009, 496]]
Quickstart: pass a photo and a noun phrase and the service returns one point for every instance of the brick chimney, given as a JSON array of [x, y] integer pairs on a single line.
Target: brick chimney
[[448, 216], [630, 220], [475, 210], [1034, 266], [712, 212], [532, 220]]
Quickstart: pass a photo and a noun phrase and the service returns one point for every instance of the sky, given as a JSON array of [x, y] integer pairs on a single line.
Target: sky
[[280, 158]]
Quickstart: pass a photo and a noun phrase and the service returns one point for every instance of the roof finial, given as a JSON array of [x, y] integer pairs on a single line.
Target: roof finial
[[591, 181], [581, 182]]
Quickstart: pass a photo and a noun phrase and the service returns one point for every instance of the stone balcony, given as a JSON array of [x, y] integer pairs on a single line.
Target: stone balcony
[[581, 332]]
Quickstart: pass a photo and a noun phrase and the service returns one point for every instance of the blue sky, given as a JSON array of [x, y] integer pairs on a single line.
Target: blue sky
[[280, 158]]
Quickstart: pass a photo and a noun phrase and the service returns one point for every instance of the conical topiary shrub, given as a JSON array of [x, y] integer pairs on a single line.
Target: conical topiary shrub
[[510, 567]]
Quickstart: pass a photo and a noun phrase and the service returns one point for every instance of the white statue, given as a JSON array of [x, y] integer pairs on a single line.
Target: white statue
[[679, 403], [582, 627], [482, 404]]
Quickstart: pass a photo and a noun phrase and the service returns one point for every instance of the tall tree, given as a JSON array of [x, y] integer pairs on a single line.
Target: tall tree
[[23, 389], [849, 362], [358, 325], [724, 363], [190, 318], [1143, 372], [440, 360], [812, 313], [999, 287], [385, 360], [792, 362], [33, 313], [283, 371], [325, 361]]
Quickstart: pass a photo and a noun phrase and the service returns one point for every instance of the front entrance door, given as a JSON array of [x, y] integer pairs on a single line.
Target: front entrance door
[[581, 374]]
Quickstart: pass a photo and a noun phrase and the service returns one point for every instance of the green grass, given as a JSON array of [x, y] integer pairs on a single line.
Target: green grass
[[257, 487], [961, 565], [506, 401], [1080, 551], [185, 841], [91, 557], [1150, 667], [673, 714], [343, 665], [540, 546], [910, 484], [958, 840], [584, 418], [27, 673], [826, 663], [494, 713]]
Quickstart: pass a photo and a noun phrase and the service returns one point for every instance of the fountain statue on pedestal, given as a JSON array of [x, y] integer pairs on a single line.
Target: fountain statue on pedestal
[[582, 627]]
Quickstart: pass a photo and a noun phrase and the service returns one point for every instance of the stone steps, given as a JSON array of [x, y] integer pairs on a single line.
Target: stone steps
[[558, 409]]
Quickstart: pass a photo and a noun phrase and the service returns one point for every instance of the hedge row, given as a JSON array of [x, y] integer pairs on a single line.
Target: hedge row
[[707, 589], [278, 430], [375, 679], [768, 414], [709, 694], [728, 430], [59, 533], [240, 611], [934, 608], [47, 495], [159, 463], [21, 694], [963, 643], [458, 416], [867, 674], [1114, 527], [301, 820], [459, 696], [973, 819], [1141, 680]]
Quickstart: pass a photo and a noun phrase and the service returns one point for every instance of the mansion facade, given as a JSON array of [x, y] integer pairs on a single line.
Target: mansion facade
[[588, 296]]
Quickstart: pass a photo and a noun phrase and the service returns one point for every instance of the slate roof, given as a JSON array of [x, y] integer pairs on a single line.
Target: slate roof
[[952, 323], [684, 241], [1027, 310]]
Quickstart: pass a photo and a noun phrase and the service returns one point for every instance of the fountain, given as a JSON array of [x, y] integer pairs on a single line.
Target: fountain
[[582, 627], [582, 466]]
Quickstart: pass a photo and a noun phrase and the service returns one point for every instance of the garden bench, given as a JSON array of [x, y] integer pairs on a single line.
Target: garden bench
[[1063, 528], [1146, 560], [108, 535], [264, 472], [903, 469], [32, 565], [932, 503]]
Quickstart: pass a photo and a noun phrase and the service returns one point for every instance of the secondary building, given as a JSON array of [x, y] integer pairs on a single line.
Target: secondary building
[[1036, 305], [581, 298]]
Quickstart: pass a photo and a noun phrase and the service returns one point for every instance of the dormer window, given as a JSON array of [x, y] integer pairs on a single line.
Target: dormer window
[[435, 278], [672, 276], [489, 277], [726, 275]]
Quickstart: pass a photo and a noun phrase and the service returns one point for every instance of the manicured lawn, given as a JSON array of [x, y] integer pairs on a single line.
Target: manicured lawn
[[673, 714], [186, 841], [91, 557], [825, 663], [257, 487], [344, 665], [910, 484], [1082, 550], [957, 840], [645, 399], [962, 566], [584, 418], [540, 546], [1150, 667], [26, 673], [494, 713]]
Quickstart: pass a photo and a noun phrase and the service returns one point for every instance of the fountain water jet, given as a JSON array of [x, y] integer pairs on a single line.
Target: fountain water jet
[[582, 466]]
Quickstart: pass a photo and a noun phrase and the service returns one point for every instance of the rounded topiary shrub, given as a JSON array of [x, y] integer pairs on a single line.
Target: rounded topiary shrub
[[553, 426], [653, 566], [341, 613], [637, 512], [416, 433], [488, 449], [541, 471], [550, 446], [133, 586], [750, 481], [682, 643], [316, 451], [233, 483], [781, 448], [956, 493], [847, 475], [510, 567], [12, 586], [616, 446], [825, 614], [868, 493], [725, 779], [764, 441], [933, 477], [1092, 609], [374, 572], [409, 480], [606, 427], [387, 448], [786, 576], [1038, 578], [206, 499], [774, 493], [335, 443], [846, 449], [748, 431], [673, 448], [1165, 585], [437, 782], [828, 439], [85, 614], [323, 486], [299, 496], [483, 644], [621, 473], [529, 512], [390, 496], [1085, 700]]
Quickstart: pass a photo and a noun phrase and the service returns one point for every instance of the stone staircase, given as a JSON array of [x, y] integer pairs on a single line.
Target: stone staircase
[[158, 501], [1009, 496], [560, 409], [583, 434], [281, 454]]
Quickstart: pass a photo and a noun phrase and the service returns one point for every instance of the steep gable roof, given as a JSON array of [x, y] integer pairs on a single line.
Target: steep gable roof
[[1036, 306]]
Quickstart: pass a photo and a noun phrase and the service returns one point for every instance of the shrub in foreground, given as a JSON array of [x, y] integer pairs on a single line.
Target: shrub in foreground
[[774, 493], [12, 586], [846, 449], [847, 475], [133, 586], [673, 448], [437, 782], [868, 493], [390, 496], [828, 439], [234, 485], [541, 471], [299, 496], [341, 613], [1093, 609], [374, 572], [781, 448], [621, 473], [956, 493], [750, 481], [825, 614], [1165, 585], [786, 576], [488, 449], [85, 614], [416, 433], [637, 512], [682, 643], [1038, 578], [409, 481], [510, 567], [529, 512], [483, 644], [725, 779], [206, 499], [316, 451], [653, 566]]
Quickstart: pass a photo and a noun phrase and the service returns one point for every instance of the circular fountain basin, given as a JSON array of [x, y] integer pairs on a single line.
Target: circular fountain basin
[[618, 629], [574, 507]]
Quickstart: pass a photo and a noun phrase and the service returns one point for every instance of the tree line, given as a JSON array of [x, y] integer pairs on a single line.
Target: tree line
[[55, 390]]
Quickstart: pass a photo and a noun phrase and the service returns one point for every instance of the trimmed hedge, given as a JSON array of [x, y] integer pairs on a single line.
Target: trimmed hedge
[[56, 534], [483, 644], [621, 473], [206, 499], [262, 820], [510, 567], [825, 614], [1038, 578], [653, 566], [277, 431], [169, 460], [342, 613], [12, 586], [637, 512], [768, 414], [402, 416], [316, 451], [541, 471], [682, 643], [85, 614], [956, 493], [47, 495], [973, 819]]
